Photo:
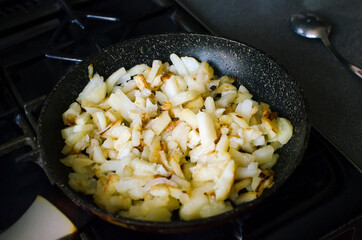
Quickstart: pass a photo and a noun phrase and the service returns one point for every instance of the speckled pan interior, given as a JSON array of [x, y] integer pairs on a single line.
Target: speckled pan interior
[[264, 78]]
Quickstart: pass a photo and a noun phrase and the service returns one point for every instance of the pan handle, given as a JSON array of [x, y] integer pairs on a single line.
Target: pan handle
[[35, 157], [41, 221]]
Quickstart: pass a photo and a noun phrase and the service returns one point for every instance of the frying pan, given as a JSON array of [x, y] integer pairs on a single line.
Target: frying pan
[[263, 77]]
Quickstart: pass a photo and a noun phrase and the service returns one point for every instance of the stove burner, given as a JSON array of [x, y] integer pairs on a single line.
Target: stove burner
[[67, 23], [80, 28]]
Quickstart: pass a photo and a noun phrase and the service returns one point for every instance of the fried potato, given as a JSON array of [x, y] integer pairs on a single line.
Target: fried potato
[[152, 140]]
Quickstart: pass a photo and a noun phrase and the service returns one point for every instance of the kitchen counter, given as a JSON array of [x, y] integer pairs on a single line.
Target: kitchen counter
[[333, 93]]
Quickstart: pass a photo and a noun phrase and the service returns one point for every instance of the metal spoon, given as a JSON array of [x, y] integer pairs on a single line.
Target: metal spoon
[[311, 26]]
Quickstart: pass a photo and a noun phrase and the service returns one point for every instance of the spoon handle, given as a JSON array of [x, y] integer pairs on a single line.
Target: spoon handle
[[356, 70]]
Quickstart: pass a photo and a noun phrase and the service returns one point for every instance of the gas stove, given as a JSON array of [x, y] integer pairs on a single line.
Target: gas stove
[[41, 40]]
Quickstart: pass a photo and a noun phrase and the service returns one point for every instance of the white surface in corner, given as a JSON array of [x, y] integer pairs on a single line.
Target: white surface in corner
[[41, 221]]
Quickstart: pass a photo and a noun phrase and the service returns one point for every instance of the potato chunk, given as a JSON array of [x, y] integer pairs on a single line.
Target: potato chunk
[[95, 91], [152, 142]]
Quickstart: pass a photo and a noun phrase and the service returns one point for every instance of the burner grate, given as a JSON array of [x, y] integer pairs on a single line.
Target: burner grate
[[82, 29]]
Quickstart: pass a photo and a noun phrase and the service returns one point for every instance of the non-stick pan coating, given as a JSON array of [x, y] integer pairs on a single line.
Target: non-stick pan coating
[[263, 77]]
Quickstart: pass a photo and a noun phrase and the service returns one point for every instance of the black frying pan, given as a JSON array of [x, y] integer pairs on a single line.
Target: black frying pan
[[263, 77]]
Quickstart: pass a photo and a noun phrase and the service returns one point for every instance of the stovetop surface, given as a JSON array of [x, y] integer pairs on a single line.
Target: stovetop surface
[[332, 91], [320, 196]]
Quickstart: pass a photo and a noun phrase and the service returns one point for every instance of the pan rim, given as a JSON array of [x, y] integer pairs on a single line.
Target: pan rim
[[173, 226]]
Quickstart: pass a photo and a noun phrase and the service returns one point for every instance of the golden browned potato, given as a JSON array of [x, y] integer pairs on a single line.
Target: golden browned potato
[[151, 140]]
